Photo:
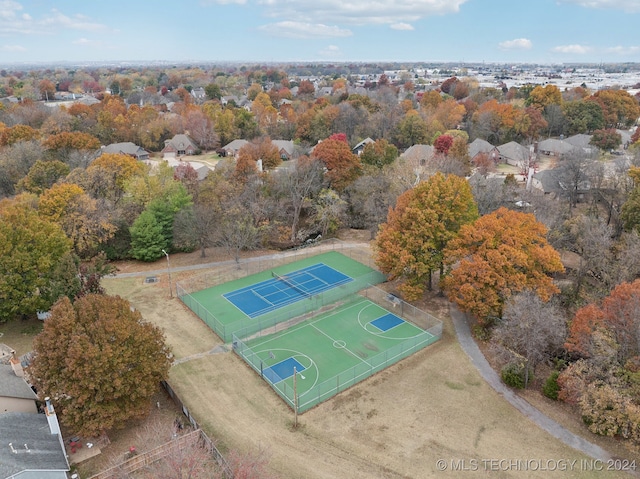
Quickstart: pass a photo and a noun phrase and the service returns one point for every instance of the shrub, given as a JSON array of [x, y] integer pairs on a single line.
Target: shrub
[[551, 388], [513, 375]]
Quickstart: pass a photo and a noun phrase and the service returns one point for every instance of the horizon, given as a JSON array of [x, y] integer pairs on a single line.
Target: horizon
[[545, 32]]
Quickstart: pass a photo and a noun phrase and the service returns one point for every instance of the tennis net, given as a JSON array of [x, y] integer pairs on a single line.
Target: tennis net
[[288, 282]]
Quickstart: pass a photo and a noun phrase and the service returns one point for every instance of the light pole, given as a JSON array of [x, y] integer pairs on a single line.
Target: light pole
[[169, 271]]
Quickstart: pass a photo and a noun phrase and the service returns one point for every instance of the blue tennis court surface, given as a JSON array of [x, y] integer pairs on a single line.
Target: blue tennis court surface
[[386, 322], [275, 293], [282, 370]]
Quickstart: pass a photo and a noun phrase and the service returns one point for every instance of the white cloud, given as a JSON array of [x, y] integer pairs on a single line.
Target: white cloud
[[620, 50], [516, 44], [332, 52], [352, 12], [625, 5], [402, 26], [14, 21], [13, 48], [290, 29], [572, 49], [82, 41]]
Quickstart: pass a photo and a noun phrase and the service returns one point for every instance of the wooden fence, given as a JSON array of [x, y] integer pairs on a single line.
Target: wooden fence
[[180, 442]]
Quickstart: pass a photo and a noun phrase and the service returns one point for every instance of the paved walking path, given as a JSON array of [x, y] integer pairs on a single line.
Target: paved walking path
[[487, 372]]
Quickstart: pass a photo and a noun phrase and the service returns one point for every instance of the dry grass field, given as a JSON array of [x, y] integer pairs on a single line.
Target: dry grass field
[[398, 424]]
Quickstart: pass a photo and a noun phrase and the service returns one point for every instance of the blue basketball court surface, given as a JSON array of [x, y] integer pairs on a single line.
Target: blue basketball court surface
[[282, 370], [387, 322], [286, 289]]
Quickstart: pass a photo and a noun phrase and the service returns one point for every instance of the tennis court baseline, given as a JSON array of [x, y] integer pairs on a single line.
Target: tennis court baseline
[[280, 291]]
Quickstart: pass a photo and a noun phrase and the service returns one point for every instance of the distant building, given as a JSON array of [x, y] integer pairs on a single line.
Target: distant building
[[179, 145], [127, 148]]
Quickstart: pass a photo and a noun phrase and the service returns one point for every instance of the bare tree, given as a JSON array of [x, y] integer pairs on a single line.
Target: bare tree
[[531, 331], [299, 185]]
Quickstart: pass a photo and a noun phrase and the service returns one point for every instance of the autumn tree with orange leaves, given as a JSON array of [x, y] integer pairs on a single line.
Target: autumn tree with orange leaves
[[410, 244], [100, 363], [500, 254], [343, 167]]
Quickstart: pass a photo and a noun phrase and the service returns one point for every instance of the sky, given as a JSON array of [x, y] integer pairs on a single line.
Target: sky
[[263, 31]]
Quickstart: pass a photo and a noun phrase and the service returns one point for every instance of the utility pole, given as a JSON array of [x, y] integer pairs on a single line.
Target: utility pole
[[169, 271]]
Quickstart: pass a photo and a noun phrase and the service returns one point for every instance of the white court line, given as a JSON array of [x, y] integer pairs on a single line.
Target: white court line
[[346, 348]]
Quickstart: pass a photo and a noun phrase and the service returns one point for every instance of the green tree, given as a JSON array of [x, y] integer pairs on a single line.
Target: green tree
[[42, 175], [410, 245], [213, 91], [379, 153], [100, 363], [147, 238], [500, 254], [30, 248]]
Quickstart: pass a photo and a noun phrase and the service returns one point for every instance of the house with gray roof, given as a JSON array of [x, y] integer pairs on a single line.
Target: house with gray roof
[[15, 394], [286, 148], [32, 446], [357, 150], [127, 148], [478, 146], [179, 145], [232, 148], [514, 153], [555, 147]]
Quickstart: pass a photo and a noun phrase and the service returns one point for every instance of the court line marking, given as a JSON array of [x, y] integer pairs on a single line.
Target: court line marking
[[345, 347]]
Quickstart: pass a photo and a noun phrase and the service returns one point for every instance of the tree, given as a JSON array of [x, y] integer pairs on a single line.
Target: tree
[[411, 130], [31, 248], [298, 186], [542, 96], [213, 91], [343, 167], [71, 140], [237, 232], [261, 149], [443, 143], [109, 174], [583, 116], [147, 238], [500, 254], [379, 153], [100, 363], [410, 245], [606, 140], [330, 211], [531, 331], [42, 175], [82, 218]]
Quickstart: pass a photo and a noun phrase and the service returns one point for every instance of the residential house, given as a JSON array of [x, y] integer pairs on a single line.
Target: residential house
[[514, 154], [478, 146], [418, 158], [555, 147], [581, 141], [232, 149], [179, 145], [127, 148], [357, 150], [15, 394], [199, 94], [286, 148], [32, 446]]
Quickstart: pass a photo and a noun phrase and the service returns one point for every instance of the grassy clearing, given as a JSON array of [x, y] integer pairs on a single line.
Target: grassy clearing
[[19, 334]]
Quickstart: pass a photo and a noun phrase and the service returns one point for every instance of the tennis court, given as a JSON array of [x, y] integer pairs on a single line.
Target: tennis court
[[283, 290], [260, 300], [330, 352]]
